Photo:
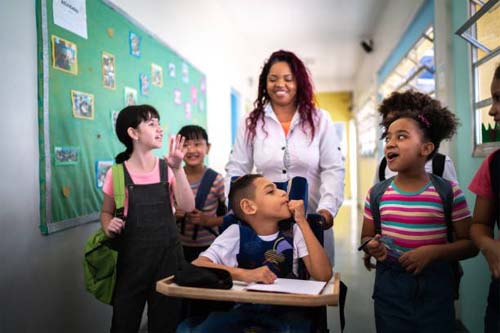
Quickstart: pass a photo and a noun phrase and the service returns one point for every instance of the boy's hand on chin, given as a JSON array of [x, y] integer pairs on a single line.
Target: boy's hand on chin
[[297, 209]]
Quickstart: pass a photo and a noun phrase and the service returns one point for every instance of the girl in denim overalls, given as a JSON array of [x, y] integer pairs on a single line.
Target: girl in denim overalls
[[146, 237]]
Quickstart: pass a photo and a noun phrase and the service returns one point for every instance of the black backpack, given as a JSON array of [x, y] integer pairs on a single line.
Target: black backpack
[[199, 202], [445, 191], [437, 166]]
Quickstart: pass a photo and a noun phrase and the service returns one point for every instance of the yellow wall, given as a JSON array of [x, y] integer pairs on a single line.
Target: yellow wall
[[366, 176], [338, 105]]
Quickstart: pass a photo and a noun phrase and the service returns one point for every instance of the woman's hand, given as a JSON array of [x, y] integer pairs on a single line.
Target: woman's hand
[[176, 152], [328, 218]]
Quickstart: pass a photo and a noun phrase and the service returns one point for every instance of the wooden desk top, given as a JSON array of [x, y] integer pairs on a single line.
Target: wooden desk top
[[329, 295]]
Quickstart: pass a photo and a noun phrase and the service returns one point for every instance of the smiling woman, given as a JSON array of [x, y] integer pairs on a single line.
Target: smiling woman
[[287, 136]]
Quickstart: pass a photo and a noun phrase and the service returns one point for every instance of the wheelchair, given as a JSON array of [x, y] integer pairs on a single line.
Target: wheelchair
[[318, 315]]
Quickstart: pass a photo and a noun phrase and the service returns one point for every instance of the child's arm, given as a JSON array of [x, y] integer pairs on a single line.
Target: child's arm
[[262, 274], [199, 218], [374, 247], [481, 232], [222, 254], [462, 248], [316, 262], [182, 191], [110, 224]]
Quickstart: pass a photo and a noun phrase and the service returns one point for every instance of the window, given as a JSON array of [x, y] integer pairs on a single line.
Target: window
[[482, 31], [415, 71]]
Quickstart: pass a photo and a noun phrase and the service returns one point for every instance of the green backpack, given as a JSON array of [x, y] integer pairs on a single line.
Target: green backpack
[[99, 264]]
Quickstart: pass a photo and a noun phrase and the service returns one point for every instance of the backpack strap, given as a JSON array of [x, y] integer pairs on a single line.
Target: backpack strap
[[201, 196], [381, 169], [438, 162], [495, 182], [119, 189], [445, 191], [375, 194]]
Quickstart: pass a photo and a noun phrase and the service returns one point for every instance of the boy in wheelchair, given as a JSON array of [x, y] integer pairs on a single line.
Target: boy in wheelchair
[[259, 250]]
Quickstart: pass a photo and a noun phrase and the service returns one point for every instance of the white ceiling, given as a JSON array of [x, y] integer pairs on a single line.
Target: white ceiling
[[325, 34], [240, 34]]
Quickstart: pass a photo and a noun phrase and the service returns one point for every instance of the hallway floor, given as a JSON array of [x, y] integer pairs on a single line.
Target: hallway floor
[[348, 262]]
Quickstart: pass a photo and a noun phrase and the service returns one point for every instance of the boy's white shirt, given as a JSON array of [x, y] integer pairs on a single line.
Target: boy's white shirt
[[226, 246]]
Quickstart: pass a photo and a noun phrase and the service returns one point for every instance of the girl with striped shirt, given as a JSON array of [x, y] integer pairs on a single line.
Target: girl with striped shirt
[[413, 289]]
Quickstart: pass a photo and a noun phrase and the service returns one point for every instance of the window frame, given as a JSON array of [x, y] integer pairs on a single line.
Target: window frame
[[480, 149], [428, 34]]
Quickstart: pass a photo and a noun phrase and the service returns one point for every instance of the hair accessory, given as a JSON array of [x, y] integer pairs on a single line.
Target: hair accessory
[[424, 120]]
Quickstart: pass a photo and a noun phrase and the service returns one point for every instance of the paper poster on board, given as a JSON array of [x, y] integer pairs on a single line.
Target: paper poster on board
[[71, 15]]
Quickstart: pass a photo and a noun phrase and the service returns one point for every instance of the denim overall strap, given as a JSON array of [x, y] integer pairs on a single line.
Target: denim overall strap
[[150, 220], [276, 254]]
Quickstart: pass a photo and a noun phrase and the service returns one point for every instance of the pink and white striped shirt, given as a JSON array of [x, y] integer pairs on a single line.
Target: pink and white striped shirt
[[415, 219]]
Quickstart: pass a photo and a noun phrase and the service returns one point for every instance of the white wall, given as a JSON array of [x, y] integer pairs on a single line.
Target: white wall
[[41, 278], [391, 25]]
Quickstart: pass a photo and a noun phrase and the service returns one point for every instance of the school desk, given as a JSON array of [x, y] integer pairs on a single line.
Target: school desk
[[329, 296]]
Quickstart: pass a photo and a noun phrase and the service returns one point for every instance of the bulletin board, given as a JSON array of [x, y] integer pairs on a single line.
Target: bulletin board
[[93, 60]]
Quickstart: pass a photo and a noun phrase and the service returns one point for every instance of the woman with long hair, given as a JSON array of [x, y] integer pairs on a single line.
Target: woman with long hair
[[286, 135]]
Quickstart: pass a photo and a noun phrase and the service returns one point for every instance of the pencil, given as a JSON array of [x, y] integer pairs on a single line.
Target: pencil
[[362, 246]]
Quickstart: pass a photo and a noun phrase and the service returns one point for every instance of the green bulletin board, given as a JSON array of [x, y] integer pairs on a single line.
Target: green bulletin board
[[83, 83]]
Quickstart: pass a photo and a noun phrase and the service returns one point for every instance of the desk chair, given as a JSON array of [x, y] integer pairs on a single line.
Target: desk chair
[[298, 191]]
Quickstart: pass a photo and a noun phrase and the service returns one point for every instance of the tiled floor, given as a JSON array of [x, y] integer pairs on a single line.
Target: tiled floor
[[359, 306]]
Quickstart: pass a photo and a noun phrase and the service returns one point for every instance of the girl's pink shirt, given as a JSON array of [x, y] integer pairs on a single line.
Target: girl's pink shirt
[[152, 177]]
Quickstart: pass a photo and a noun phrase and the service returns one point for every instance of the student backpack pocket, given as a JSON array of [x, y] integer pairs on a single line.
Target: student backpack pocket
[[203, 277]]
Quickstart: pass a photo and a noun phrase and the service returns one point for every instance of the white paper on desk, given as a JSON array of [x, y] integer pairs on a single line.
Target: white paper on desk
[[291, 286]]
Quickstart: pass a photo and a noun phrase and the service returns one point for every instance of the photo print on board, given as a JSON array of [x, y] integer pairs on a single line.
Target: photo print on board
[[185, 73], [101, 168], [130, 95], [171, 69], [135, 44], [156, 75], [82, 104], [64, 55], [66, 155], [144, 84], [108, 70], [177, 97]]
